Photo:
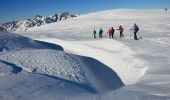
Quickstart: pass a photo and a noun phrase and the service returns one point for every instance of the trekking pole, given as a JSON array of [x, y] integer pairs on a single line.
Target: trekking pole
[[130, 34]]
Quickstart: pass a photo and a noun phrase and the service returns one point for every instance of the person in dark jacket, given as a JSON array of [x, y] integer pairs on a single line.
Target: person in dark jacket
[[94, 33], [135, 30], [113, 31], [100, 33], [121, 31]]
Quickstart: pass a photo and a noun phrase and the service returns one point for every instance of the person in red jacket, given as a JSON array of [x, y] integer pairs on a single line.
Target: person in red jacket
[[111, 32]]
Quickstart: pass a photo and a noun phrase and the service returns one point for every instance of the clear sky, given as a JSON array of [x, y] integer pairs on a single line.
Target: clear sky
[[21, 9]]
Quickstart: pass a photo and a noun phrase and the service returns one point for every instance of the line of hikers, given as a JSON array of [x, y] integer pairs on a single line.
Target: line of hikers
[[111, 31]]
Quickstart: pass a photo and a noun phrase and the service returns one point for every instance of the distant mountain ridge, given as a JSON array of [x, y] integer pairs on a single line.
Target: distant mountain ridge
[[38, 20]]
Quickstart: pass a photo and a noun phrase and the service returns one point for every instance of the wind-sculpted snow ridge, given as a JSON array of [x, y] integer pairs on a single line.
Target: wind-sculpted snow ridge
[[23, 53], [14, 42], [115, 55], [18, 54]]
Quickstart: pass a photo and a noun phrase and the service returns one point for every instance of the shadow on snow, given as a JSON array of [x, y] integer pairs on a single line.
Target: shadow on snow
[[15, 69], [102, 77]]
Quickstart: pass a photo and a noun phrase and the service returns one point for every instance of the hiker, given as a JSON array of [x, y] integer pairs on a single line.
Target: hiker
[[135, 30], [94, 33], [111, 32], [100, 33], [121, 31]]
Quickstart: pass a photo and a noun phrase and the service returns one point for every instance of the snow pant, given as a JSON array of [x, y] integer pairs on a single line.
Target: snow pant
[[94, 35], [135, 36], [111, 35], [100, 35], [121, 34]]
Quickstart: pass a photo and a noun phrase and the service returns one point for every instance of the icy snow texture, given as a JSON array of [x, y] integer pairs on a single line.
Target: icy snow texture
[[39, 57], [50, 62]]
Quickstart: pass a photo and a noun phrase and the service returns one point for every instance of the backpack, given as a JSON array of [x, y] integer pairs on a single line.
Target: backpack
[[120, 28], [101, 31], [136, 28], [112, 30]]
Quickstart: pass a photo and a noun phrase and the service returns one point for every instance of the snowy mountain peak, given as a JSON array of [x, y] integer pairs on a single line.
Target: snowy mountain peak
[[38, 20]]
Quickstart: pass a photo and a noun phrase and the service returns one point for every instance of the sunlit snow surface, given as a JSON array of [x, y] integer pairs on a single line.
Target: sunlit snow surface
[[91, 69]]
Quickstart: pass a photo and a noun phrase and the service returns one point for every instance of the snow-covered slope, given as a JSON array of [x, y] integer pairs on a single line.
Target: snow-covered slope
[[108, 64], [149, 21], [22, 58]]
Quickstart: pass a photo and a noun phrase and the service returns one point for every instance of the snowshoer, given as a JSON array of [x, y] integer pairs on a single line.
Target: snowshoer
[[111, 32], [100, 33], [135, 30], [166, 9], [121, 31], [94, 33]]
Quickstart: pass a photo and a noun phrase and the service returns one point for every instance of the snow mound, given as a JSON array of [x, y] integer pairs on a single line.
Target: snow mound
[[22, 53], [14, 42]]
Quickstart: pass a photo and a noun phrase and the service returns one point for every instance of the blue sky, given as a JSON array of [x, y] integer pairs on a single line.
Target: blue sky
[[22, 9]]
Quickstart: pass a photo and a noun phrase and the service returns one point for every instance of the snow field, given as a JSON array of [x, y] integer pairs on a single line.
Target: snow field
[[106, 65]]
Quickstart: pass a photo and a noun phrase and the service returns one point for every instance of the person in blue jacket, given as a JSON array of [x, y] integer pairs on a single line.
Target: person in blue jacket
[[100, 33], [135, 30]]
